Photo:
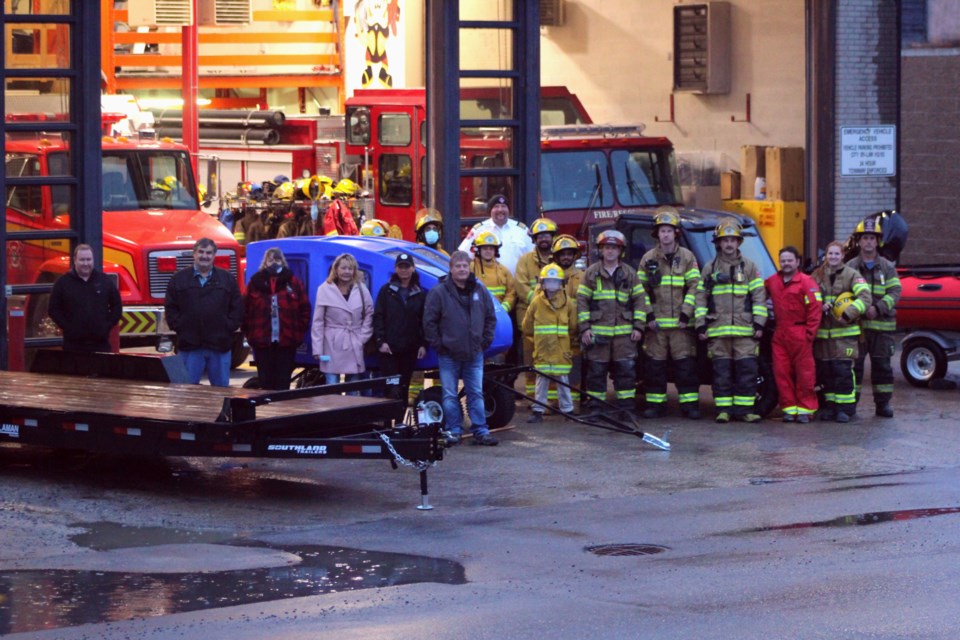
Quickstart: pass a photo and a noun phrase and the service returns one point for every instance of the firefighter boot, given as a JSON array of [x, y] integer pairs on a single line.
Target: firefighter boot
[[884, 410], [828, 412]]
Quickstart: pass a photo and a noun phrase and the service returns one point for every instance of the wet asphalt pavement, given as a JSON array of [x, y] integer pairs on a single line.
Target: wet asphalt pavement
[[746, 531]]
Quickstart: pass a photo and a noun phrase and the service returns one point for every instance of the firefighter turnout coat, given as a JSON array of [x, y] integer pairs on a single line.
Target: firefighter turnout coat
[[885, 288], [497, 279], [837, 338], [731, 301], [552, 323], [611, 306]]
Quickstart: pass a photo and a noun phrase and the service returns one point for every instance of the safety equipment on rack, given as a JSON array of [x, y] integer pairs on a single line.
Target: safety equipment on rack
[[375, 228], [346, 187]]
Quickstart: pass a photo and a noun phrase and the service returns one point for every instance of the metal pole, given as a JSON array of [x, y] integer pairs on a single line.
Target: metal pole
[[191, 80]]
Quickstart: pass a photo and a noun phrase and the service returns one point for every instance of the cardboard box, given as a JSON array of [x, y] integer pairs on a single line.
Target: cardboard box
[[730, 185], [752, 165], [785, 174]]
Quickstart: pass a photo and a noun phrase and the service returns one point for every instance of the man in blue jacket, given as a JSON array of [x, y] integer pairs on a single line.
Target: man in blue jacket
[[205, 308], [459, 322]]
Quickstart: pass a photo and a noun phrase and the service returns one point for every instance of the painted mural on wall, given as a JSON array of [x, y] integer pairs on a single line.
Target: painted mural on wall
[[377, 43]]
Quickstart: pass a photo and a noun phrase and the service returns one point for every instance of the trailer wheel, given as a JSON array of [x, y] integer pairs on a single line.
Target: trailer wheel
[[500, 404], [922, 360], [39, 323], [240, 352]]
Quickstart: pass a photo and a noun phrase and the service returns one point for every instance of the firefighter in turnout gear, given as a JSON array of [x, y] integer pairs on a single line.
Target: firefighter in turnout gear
[[494, 276], [551, 323], [429, 229], [730, 314], [670, 275], [797, 308], [611, 312], [846, 297], [566, 252], [542, 231], [879, 320]]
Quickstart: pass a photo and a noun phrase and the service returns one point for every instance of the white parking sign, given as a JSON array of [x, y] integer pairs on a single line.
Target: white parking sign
[[868, 151]]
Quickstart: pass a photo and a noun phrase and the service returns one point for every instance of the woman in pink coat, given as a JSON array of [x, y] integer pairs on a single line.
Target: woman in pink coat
[[342, 321]]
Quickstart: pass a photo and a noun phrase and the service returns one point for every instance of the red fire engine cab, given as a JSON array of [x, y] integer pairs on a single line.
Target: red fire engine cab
[[589, 172], [151, 219]]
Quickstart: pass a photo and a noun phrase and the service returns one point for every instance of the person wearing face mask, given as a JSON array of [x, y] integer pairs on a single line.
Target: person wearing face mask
[[551, 324], [846, 297], [429, 229], [275, 320]]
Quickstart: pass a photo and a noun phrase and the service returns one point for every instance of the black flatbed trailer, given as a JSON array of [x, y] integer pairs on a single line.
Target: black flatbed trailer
[[111, 415]]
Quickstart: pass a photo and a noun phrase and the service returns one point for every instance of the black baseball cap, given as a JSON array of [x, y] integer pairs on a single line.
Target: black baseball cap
[[404, 258]]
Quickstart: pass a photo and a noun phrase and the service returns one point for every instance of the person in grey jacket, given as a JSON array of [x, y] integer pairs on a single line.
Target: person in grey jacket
[[458, 322]]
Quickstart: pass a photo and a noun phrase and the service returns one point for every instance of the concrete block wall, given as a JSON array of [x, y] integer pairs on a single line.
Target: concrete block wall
[[866, 94], [930, 154]]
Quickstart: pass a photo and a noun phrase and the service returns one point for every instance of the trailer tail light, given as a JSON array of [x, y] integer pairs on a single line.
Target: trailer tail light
[[167, 264], [222, 261]]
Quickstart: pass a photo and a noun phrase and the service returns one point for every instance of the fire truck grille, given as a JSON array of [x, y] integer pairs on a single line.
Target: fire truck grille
[[160, 279]]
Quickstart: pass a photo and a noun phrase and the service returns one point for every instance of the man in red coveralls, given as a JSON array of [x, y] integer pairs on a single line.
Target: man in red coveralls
[[797, 309]]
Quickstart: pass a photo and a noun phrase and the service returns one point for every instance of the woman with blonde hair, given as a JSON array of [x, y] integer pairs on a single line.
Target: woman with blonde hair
[[275, 320], [342, 321]]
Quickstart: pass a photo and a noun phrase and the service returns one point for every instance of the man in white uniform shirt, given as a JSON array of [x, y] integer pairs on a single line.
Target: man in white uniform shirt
[[513, 235]]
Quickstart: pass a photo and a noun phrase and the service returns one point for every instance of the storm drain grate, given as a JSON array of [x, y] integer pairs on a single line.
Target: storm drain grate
[[626, 549]]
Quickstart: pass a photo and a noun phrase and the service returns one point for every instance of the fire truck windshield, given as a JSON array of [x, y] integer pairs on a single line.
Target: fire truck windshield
[[598, 179], [145, 179]]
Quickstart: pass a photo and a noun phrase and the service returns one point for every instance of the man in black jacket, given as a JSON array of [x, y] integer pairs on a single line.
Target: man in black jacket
[[205, 308], [85, 304], [459, 321], [398, 323]]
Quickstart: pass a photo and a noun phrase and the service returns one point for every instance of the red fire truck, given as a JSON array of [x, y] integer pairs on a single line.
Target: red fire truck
[[589, 172], [151, 219]]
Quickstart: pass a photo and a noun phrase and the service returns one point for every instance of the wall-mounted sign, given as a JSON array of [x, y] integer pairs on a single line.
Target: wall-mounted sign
[[868, 151]]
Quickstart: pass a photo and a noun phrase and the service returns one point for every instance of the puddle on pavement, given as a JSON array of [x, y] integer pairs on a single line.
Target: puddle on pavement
[[104, 536], [863, 519], [48, 599]]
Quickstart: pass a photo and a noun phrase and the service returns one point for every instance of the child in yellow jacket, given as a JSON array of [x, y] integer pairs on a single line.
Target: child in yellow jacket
[[551, 320]]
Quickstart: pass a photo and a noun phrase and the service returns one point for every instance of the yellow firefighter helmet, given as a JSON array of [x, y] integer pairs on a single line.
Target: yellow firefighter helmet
[[843, 302], [551, 271], [486, 239], [542, 225], [564, 242], [728, 228]]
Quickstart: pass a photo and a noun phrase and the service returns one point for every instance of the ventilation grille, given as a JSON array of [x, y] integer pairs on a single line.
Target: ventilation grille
[[551, 13], [160, 13], [225, 12]]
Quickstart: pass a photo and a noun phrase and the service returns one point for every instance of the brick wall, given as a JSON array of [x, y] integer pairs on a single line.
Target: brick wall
[[867, 94], [930, 154]]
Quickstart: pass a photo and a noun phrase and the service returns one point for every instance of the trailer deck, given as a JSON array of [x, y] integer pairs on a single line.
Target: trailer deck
[[108, 415]]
